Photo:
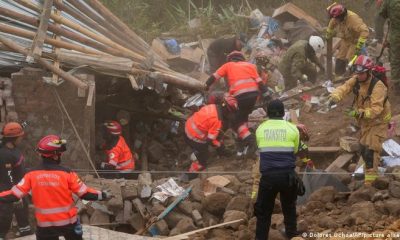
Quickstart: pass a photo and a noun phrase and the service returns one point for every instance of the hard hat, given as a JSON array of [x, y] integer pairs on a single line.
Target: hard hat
[[113, 127], [316, 43], [363, 64], [51, 145], [336, 10], [12, 129], [275, 109], [230, 103], [235, 56]]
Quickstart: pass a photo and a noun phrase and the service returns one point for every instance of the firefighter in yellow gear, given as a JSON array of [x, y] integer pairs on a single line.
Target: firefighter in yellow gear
[[352, 30], [371, 110]]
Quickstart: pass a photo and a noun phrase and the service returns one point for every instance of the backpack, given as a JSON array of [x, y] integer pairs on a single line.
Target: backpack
[[378, 74]]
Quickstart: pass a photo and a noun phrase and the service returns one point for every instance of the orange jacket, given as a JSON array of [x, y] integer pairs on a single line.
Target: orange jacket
[[52, 187], [242, 77], [204, 124], [120, 156]]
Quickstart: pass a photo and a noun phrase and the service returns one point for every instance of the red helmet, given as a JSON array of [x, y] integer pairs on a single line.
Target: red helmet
[[12, 129], [230, 103], [363, 64], [235, 55], [51, 145], [113, 127], [336, 10]]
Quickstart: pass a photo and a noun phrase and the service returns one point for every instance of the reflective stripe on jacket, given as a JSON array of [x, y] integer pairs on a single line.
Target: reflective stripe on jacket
[[278, 142], [242, 77], [204, 124], [120, 156], [52, 191], [351, 28]]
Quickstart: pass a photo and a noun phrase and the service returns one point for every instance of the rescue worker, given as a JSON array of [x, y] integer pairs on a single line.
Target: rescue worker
[[353, 32], [277, 142], [12, 170], [119, 155], [51, 186], [205, 128], [297, 62], [371, 110], [245, 85], [391, 10], [220, 48]]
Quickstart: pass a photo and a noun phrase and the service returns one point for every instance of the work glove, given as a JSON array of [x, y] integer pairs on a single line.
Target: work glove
[[18, 204], [329, 33], [350, 112], [359, 45], [106, 195]]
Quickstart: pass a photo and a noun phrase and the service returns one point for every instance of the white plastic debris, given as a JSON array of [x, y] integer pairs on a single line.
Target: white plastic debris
[[168, 189], [392, 148]]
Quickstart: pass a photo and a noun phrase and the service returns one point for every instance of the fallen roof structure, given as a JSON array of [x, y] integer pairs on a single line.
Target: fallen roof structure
[[75, 33]]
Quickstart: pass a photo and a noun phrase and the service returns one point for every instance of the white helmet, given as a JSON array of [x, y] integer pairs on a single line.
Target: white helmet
[[316, 43]]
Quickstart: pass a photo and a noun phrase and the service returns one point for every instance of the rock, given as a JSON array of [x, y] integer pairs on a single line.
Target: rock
[[162, 227], [173, 218], [127, 210], [302, 226], [276, 235], [185, 225], [221, 234], [174, 232], [197, 206], [234, 182], [392, 206], [277, 206], [362, 194], [84, 218], [197, 218], [363, 210], [235, 215], [327, 222], [239, 203], [311, 205], [99, 217], [324, 194], [349, 144], [276, 220], [137, 221], [209, 219], [244, 234], [197, 191], [381, 183], [252, 224], [116, 203], [380, 207], [129, 192], [394, 189], [216, 203], [186, 207], [144, 188], [157, 209]]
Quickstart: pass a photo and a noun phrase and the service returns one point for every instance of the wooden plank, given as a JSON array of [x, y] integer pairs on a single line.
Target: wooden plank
[[324, 149], [37, 45], [296, 12], [55, 78], [340, 161]]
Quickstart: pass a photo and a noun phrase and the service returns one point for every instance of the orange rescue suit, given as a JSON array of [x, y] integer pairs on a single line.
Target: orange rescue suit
[[120, 156], [242, 77], [204, 124]]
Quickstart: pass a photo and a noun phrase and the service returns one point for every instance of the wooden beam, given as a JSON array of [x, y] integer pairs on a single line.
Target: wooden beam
[[324, 149], [340, 161], [37, 45], [329, 55], [55, 78]]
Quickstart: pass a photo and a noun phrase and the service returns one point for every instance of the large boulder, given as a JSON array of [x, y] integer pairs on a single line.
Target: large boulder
[[324, 195], [239, 203], [394, 189], [216, 203], [362, 194], [235, 215], [363, 211]]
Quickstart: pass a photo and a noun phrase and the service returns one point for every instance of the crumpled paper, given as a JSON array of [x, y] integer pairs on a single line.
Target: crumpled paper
[[168, 189]]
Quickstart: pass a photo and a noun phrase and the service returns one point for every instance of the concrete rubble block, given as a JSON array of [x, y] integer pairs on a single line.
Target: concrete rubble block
[[174, 217], [234, 184], [116, 203], [392, 206], [216, 203], [197, 218], [137, 221], [145, 179], [162, 227], [197, 206], [349, 144], [140, 207], [128, 206], [119, 217], [129, 191], [197, 193], [157, 208], [394, 189], [184, 225], [145, 182], [324, 194], [239, 203], [362, 194], [235, 215], [98, 217]]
